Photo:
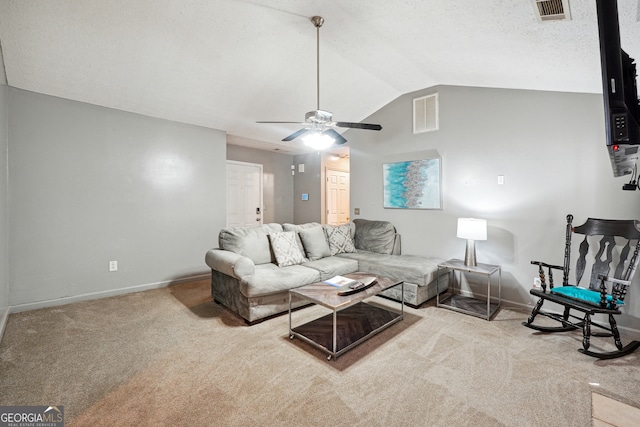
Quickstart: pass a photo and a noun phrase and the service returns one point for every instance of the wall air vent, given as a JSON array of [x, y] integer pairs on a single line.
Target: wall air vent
[[425, 113], [551, 10]]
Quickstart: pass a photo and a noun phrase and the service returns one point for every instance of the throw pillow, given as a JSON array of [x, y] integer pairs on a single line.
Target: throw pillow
[[315, 243], [285, 248], [339, 238], [296, 229], [375, 236]]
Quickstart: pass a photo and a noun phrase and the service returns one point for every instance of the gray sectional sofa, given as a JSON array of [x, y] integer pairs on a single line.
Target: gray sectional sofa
[[254, 268]]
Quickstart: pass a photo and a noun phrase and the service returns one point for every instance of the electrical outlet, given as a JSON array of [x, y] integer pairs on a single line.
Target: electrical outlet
[[537, 283], [113, 265]]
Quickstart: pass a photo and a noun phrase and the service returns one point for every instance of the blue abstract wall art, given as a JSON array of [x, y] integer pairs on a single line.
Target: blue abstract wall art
[[412, 184]]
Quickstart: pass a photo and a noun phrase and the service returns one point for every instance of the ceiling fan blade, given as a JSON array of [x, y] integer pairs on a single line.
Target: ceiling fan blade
[[295, 123], [295, 135], [336, 136], [367, 126]]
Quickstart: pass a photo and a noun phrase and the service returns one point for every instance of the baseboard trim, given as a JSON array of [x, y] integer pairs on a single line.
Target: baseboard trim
[[104, 294]]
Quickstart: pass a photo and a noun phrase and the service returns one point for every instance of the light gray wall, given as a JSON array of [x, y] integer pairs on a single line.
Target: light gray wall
[[307, 182], [550, 148], [4, 230], [90, 184], [277, 180]]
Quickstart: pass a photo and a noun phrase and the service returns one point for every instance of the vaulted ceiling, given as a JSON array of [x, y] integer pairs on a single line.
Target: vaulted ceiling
[[225, 64]]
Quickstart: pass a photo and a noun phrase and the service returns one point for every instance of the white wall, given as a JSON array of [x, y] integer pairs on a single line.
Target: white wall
[[90, 184], [550, 148]]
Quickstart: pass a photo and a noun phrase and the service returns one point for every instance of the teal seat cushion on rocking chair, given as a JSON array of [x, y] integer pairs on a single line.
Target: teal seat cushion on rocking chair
[[581, 294]]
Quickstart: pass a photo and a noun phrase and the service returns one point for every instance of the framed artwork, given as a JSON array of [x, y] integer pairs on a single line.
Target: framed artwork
[[414, 184]]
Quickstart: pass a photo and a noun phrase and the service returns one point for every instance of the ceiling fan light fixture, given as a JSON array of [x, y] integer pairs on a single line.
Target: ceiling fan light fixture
[[318, 140]]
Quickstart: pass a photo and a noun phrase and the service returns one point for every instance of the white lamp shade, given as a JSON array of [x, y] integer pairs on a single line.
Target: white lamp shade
[[472, 229]]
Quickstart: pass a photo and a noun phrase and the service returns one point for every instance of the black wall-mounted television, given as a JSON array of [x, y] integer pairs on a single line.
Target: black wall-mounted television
[[620, 91]]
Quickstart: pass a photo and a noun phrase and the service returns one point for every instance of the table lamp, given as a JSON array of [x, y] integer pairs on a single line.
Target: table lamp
[[472, 230]]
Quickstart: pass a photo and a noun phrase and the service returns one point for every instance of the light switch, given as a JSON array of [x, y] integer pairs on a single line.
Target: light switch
[[500, 179]]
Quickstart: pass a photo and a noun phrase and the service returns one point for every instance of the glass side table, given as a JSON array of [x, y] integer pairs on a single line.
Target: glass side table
[[453, 298]]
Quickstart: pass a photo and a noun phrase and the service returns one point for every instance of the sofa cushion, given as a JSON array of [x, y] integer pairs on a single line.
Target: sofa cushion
[[270, 279], [375, 236], [333, 266], [297, 227], [251, 242], [410, 268], [285, 248], [339, 238], [315, 243]]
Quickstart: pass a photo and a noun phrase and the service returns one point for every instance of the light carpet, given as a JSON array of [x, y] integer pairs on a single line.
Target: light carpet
[[171, 356]]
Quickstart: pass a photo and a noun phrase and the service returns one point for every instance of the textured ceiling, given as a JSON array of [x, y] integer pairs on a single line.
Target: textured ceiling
[[225, 64]]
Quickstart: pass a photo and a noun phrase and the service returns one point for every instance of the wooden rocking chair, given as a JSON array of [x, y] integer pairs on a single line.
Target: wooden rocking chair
[[605, 293]]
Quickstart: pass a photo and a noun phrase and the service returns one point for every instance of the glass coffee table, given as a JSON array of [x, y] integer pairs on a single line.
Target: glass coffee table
[[353, 320]]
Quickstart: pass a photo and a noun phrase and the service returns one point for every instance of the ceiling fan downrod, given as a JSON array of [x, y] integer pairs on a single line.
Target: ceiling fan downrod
[[317, 22]]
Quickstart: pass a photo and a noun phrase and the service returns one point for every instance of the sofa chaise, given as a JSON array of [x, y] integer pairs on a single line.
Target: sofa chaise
[[253, 268]]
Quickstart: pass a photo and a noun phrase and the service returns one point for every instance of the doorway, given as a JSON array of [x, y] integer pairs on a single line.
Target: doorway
[[337, 197], [244, 194]]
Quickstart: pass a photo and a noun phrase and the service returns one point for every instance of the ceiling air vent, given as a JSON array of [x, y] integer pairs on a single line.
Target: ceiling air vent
[[425, 113], [551, 10]]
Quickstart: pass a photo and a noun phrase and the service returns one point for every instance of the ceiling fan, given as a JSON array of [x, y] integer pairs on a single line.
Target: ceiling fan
[[318, 132]]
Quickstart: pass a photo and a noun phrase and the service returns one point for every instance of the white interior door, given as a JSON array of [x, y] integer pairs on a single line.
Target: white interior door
[[337, 197], [244, 194]]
